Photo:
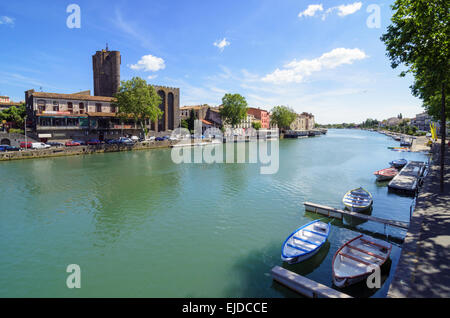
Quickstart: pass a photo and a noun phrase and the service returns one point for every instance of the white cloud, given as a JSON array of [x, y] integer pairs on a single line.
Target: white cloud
[[6, 20], [311, 10], [296, 71], [150, 77], [149, 63], [348, 9], [221, 44]]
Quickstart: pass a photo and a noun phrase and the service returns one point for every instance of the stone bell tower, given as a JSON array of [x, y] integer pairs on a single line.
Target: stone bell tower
[[106, 67]]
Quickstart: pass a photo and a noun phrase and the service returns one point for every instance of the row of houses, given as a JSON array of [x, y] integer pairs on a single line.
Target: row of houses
[[210, 117]]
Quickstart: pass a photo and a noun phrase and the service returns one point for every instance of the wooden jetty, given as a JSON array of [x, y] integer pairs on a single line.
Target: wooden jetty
[[336, 213], [303, 285], [407, 180]]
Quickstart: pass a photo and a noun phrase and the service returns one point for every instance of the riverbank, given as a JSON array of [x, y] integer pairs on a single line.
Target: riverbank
[[82, 150], [423, 270]]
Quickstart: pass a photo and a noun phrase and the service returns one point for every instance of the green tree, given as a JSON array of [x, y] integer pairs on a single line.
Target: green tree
[[418, 38], [256, 125], [14, 114], [234, 109], [283, 116], [138, 100]]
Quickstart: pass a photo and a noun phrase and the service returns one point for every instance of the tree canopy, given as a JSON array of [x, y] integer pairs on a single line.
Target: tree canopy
[[138, 100], [234, 109], [283, 116], [14, 114], [418, 38]]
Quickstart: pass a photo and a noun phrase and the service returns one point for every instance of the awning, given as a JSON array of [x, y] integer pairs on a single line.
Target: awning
[[45, 135]]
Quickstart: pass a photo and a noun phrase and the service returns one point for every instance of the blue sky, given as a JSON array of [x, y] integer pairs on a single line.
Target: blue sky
[[314, 56]]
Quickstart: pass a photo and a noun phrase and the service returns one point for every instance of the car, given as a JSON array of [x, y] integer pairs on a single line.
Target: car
[[8, 148], [428, 134], [72, 143], [159, 139], [111, 141], [25, 144], [173, 138], [55, 144], [125, 141], [151, 138], [94, 142], [81, 142], [39, 145], [134, 138]]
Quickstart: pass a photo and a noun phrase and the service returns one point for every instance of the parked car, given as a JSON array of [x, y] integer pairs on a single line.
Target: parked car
[[94, 142], [111, 141], [81, 142], [39, 145], [125, 141], [55, 144], [25, 144], [151, 138], [159, 139], [134, 138], [8, 148], [72, 143], [173, 138]]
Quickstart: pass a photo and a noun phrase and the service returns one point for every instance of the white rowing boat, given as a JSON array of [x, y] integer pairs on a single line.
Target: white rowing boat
[[357, 200], [304, 242], [358, 258]]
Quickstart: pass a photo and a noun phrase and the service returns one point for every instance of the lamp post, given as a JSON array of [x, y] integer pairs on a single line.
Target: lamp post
[[25, 130]]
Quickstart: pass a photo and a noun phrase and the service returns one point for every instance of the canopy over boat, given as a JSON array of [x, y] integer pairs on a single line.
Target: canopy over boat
[[399, 163], [386, 174], [357, 200], [356, 259], [305, 242]]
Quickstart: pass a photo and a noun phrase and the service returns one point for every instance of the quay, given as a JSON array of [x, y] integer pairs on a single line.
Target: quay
[[407, 180], [303, 285], [336, 213], [304, 133], [423, 270]]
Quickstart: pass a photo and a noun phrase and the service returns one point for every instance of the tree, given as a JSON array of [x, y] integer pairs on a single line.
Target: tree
[[256, 125], [191, 121], [138, 100], [14, 114], [418, 39], [234, 109], [283, 116]]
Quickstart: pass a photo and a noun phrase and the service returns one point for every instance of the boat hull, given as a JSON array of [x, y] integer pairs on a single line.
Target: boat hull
[[357, 200]]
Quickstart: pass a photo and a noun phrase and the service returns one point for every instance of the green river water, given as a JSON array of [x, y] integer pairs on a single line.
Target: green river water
[[139, 225]]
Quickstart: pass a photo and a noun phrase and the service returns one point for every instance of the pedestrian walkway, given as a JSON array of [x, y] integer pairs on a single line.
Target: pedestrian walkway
[[423, 270]]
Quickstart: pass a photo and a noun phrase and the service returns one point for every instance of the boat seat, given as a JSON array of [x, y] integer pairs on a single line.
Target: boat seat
[[356, 259], [298, 248], [306, 241], [364, 251], [314, 232]]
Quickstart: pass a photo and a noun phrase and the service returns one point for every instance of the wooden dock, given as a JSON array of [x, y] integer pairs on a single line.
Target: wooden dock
[[407, 180], [303, 285], [336, 213]]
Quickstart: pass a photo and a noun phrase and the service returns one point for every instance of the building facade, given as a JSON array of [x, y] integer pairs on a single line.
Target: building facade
[[261, 115], [422, 121], [303, 121], [6, 103]]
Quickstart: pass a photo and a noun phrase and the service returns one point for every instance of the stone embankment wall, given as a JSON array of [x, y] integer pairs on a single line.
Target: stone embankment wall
[[80, 150]]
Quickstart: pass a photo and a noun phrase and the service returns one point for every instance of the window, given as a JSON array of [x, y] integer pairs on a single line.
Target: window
[[98, 107], [70, 107], [55, 106], [81, 106], [113, 109], [41, 106]]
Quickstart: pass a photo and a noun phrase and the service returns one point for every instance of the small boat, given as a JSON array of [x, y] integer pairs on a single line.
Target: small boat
[[386, 174], [399, 163], [304, 242], [357, 200], [398, 148], [355, 260], [406, 142]]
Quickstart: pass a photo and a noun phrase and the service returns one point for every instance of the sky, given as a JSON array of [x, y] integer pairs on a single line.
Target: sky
[[322, 57]]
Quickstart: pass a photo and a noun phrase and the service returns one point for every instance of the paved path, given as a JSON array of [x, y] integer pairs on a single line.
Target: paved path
[[424, 266]]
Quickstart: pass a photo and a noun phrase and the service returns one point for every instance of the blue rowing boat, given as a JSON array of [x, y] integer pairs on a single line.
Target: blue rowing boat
[[399, 163], [357, 200], [305, 242]]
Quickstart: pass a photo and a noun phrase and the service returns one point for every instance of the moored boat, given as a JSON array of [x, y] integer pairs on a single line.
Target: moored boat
[[357, 200], [386, 174], [399, 163], [305, 242], [358, 258]]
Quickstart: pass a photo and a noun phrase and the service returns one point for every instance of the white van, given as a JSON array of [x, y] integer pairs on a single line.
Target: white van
[[39, 145]]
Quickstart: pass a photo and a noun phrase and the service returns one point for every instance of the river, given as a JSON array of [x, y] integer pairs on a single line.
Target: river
[[139, 225]]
